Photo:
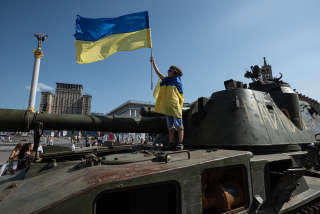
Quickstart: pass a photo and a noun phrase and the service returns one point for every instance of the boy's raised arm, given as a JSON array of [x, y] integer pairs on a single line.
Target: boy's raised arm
[[161, 76]]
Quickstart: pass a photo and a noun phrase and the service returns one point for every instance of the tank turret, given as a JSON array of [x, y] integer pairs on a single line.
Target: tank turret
[[281, 92]]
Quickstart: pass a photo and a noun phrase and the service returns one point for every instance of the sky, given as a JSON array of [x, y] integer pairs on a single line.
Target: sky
[[210, 40]]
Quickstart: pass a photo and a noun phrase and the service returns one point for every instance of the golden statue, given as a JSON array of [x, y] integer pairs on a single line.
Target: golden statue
[[41, 37]]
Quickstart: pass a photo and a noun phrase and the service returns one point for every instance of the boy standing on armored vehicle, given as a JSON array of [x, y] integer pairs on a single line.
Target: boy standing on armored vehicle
[[170, 102]]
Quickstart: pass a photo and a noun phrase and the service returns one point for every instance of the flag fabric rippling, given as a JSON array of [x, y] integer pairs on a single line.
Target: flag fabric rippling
[[97, 39]]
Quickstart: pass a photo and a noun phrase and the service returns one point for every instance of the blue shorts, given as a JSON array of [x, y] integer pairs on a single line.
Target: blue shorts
[[174, 122]]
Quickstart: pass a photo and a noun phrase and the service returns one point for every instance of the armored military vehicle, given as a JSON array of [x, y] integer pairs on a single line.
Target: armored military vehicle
[[248, 150]]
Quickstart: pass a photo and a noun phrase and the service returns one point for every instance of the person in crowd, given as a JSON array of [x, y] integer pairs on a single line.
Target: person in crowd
[[26, 150], [25, 156], [87, 141], [73, 147], [12, 163], [170, 98], [99, 141], [39, 151], [4, 168], [51, 142], [14, 156], [15, 152]]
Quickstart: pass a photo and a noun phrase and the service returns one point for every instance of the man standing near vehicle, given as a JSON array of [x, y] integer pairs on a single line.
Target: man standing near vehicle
[[170, 102]]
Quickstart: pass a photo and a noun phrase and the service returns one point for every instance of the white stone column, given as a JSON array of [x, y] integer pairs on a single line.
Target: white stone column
[[34, 83], [38, 54]]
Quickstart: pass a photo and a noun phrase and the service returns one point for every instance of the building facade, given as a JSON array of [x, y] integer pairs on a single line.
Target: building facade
[[68, 99], [131, 108], [46, 104]]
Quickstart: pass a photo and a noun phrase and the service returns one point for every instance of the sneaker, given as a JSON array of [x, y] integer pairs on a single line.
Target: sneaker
[[179, 146]]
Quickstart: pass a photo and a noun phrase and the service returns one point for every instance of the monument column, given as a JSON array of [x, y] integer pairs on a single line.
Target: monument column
[[38, 54]]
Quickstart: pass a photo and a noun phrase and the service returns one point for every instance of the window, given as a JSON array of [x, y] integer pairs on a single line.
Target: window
[[270, 108], [224, 189], [161, 198]]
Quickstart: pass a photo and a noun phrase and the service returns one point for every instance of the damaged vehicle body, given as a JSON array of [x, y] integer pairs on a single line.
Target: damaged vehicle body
[[248, 150]]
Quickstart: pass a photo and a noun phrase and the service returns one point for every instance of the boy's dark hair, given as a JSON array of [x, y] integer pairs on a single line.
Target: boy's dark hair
[[176, 70]]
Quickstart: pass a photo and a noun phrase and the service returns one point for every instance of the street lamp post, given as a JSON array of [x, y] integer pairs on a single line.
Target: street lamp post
[[38, 54]]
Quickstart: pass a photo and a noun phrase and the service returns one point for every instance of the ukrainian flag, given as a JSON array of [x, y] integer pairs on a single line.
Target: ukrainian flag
[[97, 39], [169, 95]]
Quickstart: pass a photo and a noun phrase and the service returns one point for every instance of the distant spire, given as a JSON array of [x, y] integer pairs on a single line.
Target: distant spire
[[266, 70], [264, 61]]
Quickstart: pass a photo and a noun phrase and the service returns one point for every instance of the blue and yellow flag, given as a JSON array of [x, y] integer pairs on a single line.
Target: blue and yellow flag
[[169, 97], [97, 39]]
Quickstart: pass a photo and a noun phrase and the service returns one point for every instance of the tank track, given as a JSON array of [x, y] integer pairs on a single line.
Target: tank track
[[310, 208], [312, 102]]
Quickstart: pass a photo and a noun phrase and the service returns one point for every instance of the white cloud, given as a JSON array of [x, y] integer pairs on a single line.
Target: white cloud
[[41, 87], [44, 87]]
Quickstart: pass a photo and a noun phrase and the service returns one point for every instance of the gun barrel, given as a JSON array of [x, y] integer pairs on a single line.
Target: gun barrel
[[23, 120]]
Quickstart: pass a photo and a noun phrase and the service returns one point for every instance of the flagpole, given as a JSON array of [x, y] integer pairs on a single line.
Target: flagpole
[[151, 71], [150, 45]]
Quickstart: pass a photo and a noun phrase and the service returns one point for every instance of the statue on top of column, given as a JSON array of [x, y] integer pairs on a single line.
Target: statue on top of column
[[40, 37]]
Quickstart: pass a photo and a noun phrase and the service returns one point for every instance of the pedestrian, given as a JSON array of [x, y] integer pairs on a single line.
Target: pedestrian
[[170, 98], [87, 141], [12, 163], [15, 152], [25, 156], [39, 151], [73, 147]]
